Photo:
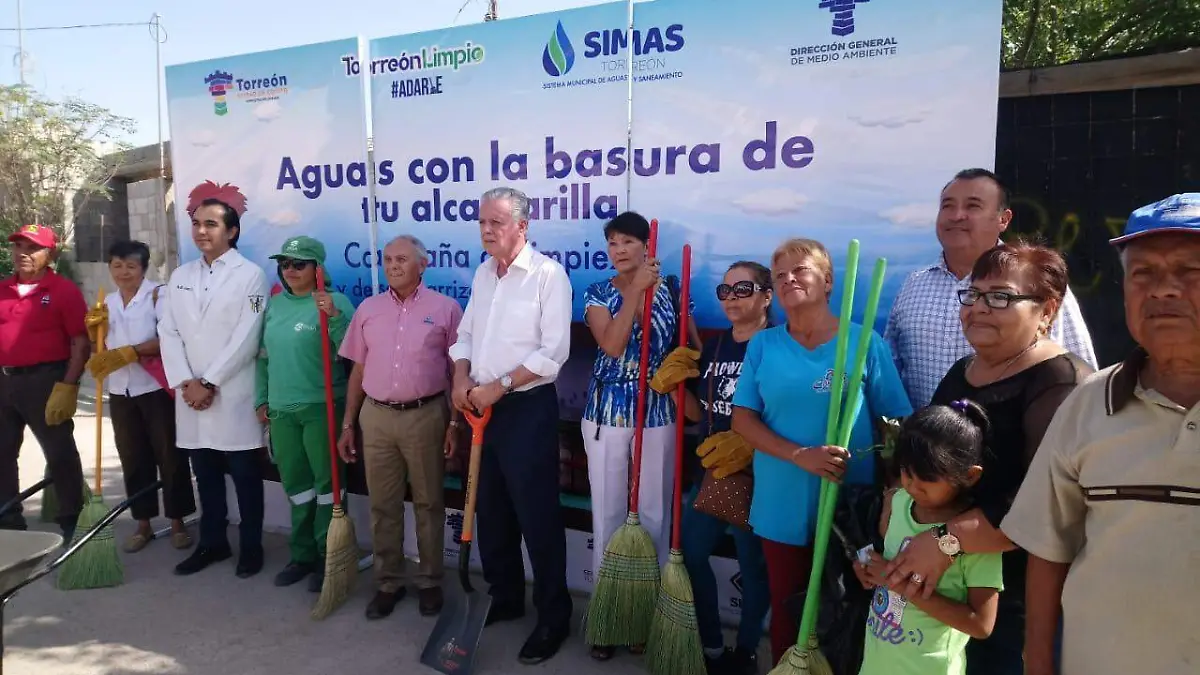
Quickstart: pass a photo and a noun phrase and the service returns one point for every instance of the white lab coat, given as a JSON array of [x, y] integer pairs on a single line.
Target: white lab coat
[[214, 336]]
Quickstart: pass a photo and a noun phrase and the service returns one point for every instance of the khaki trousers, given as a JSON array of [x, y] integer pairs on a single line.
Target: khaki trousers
[[401, 448]]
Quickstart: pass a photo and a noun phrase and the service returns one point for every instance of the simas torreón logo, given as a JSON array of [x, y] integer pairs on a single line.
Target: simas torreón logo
[[645, 51], [843, 15], [219, 83], [559, 55]]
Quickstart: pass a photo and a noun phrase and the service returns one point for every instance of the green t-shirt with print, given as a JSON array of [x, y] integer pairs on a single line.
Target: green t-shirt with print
[[902, 639]]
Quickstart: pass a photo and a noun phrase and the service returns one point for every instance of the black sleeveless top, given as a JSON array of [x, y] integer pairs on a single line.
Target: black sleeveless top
[[1019, 408]]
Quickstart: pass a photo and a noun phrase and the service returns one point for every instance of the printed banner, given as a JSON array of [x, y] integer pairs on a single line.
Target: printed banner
[[282, 135], [827, 119], [459, 111]]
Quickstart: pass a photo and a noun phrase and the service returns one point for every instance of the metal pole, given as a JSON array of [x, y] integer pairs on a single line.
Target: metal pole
[[160, 209], [102, 256], [20, 45]]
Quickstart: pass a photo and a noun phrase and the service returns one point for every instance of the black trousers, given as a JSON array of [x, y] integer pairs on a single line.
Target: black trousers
[[246, 469], [23, 396], [518, 497], [144, 430]]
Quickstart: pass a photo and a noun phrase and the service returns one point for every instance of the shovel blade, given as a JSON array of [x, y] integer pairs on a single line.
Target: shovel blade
[[454, 641]]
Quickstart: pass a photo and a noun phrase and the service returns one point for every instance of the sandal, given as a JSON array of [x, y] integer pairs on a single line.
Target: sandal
[[181, 540], [603, 653], [136, 542]]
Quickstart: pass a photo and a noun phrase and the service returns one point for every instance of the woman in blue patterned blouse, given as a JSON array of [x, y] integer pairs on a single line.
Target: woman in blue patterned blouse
[[612, 312]]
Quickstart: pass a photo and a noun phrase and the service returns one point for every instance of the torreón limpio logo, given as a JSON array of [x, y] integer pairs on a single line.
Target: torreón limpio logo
[[219, 83], [843, 15], [559, 55]]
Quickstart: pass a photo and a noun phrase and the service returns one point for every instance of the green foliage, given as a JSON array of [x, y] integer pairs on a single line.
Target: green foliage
[[55, 156], [1041, 33]]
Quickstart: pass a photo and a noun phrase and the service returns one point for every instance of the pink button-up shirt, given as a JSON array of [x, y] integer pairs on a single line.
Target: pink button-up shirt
[[404, 345]]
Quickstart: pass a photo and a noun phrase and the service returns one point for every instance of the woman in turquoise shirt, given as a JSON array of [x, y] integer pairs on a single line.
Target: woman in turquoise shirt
[[780, 408]]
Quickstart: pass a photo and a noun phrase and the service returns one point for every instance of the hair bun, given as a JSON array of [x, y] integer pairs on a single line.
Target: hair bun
[[973, 412]]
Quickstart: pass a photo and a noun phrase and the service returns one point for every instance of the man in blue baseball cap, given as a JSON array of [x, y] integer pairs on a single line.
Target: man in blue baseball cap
[[1110, 508]]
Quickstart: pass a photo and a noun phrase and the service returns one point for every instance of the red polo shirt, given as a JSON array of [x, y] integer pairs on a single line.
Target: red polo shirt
[[37, 327]]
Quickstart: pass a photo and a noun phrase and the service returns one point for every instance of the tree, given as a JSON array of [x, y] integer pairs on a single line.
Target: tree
[[55, 156], [1050, 32]]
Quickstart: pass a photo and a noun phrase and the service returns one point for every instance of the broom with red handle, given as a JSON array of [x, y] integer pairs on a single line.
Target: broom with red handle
[[622, 605], [341, 546], [674, 646]]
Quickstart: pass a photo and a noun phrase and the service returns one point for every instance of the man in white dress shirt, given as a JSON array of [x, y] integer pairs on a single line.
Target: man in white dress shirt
[[209, 338], [924, 329], [513, 339]]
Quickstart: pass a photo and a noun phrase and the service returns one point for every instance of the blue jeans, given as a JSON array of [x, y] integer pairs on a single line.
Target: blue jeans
[[701, 534]]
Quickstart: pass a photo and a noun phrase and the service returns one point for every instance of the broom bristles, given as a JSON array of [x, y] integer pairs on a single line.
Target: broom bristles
[[795, 662], [49, 512], [817, 663], [97, 564], [674, 646], [341, 564], [622, 605]]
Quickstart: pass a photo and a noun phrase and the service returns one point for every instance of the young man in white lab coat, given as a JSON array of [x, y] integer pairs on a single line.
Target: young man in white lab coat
[[209, 337]]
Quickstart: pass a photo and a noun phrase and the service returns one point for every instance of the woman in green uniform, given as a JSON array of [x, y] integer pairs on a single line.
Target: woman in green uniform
[[291, 399]]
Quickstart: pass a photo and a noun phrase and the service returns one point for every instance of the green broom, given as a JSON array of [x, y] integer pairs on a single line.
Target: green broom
[[341, 544], [622, 605], [809, 660], [49, 512], [674, 647], [96, 564]]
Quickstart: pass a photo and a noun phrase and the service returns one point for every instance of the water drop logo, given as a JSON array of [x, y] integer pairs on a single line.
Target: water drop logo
[[559, 56]]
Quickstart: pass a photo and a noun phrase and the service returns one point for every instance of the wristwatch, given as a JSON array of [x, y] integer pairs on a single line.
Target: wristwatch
[[208, 385], [506, 382], [947, 543]]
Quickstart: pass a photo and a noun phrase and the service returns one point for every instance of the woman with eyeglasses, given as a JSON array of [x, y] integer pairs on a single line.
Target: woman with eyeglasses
[[780, 407], [745, 297], [290, 397], [1020, 378]]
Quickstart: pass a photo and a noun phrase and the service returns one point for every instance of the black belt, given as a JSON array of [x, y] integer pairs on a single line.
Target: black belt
[[25, 370], [410, 405]]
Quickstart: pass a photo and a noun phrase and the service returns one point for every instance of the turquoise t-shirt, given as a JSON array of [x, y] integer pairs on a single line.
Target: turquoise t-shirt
[[904, 640], [788, 386]]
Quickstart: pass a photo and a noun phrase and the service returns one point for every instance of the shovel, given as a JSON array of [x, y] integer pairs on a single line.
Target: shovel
[[455, 638]]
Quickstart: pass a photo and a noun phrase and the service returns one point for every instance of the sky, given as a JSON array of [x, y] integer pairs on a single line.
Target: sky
[[114, 67]]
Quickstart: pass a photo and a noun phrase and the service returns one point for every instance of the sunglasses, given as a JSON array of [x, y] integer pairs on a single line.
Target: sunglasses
[[742, 289], [298, 265], [994, 299]]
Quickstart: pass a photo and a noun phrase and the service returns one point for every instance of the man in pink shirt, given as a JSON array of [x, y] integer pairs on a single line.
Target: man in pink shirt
[[399, 342]]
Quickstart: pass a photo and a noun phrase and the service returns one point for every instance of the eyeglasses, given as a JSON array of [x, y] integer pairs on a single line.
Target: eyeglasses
[[994, 299], [298, 265], [742, 289]]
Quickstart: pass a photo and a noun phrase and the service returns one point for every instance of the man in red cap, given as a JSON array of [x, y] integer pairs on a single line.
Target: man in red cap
[[43, 346]]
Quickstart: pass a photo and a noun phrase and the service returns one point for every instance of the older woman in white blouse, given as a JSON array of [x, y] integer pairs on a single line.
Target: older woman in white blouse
[[141, 405]]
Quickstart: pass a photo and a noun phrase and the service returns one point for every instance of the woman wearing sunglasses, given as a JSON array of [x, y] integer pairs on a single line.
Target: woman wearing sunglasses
[[290, 397], [745, 297], [1020, 378]]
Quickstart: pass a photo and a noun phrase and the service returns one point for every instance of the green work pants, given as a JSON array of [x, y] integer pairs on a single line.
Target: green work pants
[[300, 442]]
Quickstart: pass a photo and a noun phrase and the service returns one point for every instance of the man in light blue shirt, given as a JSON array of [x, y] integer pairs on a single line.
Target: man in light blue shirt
[[924, 329]]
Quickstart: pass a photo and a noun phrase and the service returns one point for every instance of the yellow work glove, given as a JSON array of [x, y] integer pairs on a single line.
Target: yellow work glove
[[678, 366], [95, 317], [60, 407], [110, 361], [726, 453]]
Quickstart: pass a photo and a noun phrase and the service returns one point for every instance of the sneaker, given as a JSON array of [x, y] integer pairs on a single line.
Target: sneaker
[[317, 581], [295, 572]]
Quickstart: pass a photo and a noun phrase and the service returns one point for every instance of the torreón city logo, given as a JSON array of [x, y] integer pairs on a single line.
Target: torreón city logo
[[843, 15], [559, 55], [219, 83]]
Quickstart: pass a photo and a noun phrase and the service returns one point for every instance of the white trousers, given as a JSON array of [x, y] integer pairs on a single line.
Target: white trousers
[[609, 460]]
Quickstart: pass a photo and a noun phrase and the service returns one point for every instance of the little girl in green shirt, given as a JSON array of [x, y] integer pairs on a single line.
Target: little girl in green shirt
[[938, 454]]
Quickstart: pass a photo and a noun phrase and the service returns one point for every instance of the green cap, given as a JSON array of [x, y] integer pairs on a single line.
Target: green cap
[[302, 248]]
